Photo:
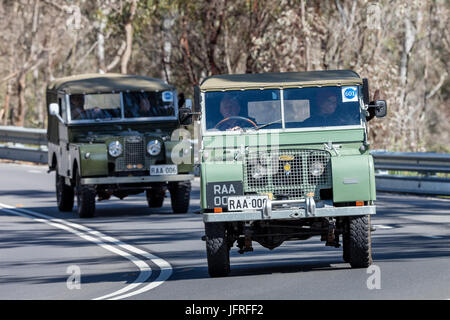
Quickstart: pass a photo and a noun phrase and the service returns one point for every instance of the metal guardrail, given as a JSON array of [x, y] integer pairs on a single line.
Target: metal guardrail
[[426, 164], [25, 144]]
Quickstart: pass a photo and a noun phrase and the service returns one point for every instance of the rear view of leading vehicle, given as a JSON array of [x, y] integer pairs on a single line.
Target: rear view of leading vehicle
[[284, 157]]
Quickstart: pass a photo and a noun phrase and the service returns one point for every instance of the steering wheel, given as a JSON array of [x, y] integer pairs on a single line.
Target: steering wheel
[[223, 122]]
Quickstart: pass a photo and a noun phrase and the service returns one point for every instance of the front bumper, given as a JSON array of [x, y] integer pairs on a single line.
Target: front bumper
[[292, 213], [144, 179]]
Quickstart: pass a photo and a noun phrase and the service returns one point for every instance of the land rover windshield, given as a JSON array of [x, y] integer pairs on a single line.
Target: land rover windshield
[[122, 106], [257, 109]]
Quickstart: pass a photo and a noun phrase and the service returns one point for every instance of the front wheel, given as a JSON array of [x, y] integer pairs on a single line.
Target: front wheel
[[155, 197], [64, 194], [217, 249], [359, 247], [180, 194], [85, 199]]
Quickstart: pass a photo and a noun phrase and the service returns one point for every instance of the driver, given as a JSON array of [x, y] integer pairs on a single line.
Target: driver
[[229, 108], [77, 107]]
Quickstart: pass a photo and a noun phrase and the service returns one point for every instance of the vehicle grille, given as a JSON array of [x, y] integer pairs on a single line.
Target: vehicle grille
[[286, 173], [133, 157]]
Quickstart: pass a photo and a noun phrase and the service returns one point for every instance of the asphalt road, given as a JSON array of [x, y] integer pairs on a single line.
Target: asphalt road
[[128, 251]]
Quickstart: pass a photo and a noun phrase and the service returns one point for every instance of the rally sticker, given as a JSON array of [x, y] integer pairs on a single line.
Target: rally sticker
[[167, 96], [349, 94]]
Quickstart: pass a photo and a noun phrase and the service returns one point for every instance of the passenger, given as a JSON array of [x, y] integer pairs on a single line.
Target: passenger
[[77, 107]]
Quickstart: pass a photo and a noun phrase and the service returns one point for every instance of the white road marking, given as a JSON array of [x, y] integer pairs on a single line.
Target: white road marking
[[100, 239], [35, 171], [382, 226]]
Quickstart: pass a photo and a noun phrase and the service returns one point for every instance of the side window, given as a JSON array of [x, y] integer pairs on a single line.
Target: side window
[[62, 108]]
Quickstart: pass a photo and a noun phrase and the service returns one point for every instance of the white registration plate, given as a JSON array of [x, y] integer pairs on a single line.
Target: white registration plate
[[243, 203], [163, 169]]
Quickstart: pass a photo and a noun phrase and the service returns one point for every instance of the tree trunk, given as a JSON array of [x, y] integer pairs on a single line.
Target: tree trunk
[[19, 118], [129, 37], [5, 110]]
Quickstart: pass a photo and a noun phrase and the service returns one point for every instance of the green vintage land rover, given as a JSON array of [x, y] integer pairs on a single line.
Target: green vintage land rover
[[117, 135], [285, 156]]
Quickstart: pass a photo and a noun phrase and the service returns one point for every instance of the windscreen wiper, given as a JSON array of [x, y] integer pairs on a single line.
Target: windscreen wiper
[[266, 124]]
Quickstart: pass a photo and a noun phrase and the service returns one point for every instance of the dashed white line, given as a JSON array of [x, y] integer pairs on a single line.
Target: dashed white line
[[102, 240]]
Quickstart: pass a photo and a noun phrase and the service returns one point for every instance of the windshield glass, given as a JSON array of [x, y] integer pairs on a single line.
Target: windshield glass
[[148, 104], [95, 106], [303, 108], [320, 107], [107, 106], [232, 110]]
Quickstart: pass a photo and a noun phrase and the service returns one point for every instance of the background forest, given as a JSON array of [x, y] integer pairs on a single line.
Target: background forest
[[402, 47]]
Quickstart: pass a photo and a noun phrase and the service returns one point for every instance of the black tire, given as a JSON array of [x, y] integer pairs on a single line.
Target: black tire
[[64, 194], [85, 199], [217, 250], [360, 255], [155, 197], [180, 194]]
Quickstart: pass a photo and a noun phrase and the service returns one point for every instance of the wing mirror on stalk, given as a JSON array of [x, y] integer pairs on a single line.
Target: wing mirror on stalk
[[377, 108], [53, 109], [185, 113]]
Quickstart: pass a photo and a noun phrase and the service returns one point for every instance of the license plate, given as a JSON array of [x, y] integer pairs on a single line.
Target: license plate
[[163, 169], [243, 203]]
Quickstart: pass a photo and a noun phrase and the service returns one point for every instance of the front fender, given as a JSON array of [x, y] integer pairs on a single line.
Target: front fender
[[353, 178], [97, 162]]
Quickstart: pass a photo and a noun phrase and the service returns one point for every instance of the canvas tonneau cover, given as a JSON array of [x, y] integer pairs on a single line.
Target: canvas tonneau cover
[[280, 80], [103, 83]]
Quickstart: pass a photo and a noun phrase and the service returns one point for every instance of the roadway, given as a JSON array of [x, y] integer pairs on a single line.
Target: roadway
[[128, 251]]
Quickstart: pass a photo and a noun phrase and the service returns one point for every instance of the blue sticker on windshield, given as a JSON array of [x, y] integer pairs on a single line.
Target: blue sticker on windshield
[[167, 96], [349, 94]]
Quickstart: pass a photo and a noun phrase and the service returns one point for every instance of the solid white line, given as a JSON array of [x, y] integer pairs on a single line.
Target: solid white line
[[166, 269], [143, 267]]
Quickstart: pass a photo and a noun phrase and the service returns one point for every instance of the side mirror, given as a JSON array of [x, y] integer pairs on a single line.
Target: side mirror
[[53, 109], [380, 108], [185, 115]]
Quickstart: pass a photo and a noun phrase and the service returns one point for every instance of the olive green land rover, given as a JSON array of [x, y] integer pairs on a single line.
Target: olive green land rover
[[113, 135], [285, 156]]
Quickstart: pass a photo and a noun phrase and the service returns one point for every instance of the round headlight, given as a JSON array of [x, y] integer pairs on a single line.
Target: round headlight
[[154, 147], [115, 149], [316, 168]]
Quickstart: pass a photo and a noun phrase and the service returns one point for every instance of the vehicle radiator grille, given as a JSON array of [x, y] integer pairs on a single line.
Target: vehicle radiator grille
[[286, 173], [133, 157]]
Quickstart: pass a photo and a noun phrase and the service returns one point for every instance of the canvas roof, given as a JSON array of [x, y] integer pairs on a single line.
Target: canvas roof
[[282, 79], [108, 82]]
